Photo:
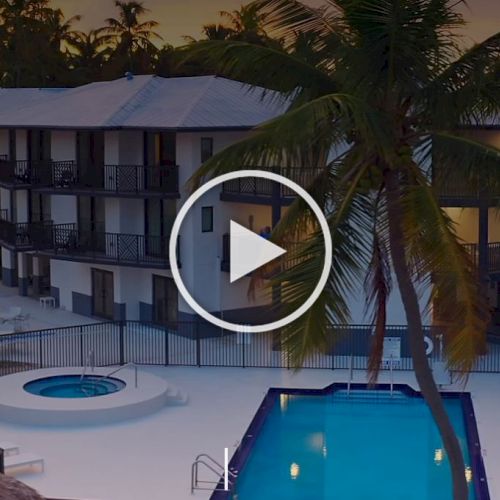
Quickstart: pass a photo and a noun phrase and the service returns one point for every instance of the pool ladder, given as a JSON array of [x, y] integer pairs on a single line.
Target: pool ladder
[[351, 375], [213, 466]]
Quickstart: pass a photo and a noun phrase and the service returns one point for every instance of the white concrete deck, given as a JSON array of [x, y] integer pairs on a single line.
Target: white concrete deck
[[38, 317], [150, 458]]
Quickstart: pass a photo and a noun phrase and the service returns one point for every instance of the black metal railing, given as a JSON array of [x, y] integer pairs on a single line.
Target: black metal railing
[[493, 255], [125, 179], [256, 186], [200, 344], [15, 172], [114, 247], [30, 235]]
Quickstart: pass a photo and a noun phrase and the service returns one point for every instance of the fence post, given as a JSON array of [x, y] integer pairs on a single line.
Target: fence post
[[2, 462], [81, 347], [244, 339], [40, 349], [122, 346], [167, 335], [198, 346]]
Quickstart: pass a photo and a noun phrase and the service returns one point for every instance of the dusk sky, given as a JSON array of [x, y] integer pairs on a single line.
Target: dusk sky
[[185, 17]]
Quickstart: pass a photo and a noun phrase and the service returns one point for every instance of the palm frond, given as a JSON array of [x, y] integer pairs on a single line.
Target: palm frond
[[449, 273], [243, 61]]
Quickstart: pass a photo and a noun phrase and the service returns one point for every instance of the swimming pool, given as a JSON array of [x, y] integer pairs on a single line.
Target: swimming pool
[[313, 445], [74, 386]]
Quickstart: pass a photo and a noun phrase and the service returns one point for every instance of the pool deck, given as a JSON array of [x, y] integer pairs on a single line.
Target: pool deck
[[150, 457], [38, 318]]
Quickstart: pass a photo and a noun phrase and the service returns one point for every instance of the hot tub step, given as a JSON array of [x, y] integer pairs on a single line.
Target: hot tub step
[[9, 448], [22, 463]]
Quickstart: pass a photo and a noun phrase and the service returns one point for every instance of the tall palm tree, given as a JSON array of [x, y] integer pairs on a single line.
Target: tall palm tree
[[89, 52], [386, 99], [132, 38]]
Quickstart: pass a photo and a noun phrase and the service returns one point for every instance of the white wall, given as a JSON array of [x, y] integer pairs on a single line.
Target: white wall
[[21, 203], [63, 209], [21, 144], [63, 145]]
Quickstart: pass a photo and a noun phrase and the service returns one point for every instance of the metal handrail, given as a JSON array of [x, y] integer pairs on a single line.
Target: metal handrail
[[89, 361], [195, 482], [128, 365], [391, 368]]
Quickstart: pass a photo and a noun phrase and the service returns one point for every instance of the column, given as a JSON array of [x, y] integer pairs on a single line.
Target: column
[[37, 276], [9, 261], [22, 273]]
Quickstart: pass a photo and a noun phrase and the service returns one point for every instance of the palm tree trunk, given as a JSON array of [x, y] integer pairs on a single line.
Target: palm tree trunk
[[421, 365]]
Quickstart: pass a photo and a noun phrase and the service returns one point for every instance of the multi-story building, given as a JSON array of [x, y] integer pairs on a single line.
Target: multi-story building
[[91, 180]]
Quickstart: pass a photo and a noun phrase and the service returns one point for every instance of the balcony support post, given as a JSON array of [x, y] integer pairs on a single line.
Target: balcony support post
[[22, 272], [9, 274], [37, 276]]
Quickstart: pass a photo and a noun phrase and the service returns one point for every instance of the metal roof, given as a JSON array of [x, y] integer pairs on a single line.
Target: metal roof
[[142, 102]]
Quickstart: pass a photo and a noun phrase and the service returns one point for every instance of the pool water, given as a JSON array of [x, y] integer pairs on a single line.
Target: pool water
[[73, 386], [366, 446]]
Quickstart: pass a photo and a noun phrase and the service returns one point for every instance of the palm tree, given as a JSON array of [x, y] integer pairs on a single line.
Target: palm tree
[[132, 38], [246, 23], [89, 52], [12, 488], [386, 98]]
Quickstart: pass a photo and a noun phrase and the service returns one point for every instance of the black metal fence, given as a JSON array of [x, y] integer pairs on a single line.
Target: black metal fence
[[198, 344]]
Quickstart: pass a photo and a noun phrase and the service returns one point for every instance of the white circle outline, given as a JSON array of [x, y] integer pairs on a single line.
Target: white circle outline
[[235, 327]]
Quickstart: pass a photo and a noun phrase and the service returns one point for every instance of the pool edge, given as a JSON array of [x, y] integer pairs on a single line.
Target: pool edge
[[247, 443]]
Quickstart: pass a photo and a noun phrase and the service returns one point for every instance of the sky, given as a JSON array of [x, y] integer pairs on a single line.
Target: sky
[[185, 17]]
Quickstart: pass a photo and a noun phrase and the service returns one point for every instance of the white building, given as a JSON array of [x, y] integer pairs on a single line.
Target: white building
[[91, 179]]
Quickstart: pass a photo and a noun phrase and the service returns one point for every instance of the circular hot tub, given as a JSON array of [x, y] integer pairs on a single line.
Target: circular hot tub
[[59, 396], [74, 386]]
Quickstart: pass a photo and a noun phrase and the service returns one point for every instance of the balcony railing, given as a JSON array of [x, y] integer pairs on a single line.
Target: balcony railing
[[493, 255], [15, 172], [123, 179], [258, 187], [29, 235], [117, 248]]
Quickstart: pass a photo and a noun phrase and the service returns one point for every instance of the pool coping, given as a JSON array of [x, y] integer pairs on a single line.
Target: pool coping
[[247, 443]]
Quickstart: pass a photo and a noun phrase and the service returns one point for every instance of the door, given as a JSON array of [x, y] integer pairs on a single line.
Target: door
[[91, 233], [164, 300], [160, 217], [102, 294], [160, 157], [90, 155]]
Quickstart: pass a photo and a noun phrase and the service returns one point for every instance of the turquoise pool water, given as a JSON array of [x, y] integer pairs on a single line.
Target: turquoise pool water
[[368, 446], [72, 386]]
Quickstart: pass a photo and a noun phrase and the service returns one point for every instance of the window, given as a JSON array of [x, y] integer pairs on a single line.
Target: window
[[207, 219], [207, 148]]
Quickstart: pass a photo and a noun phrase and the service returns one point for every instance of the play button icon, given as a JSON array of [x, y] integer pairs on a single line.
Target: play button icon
[[249, 251]]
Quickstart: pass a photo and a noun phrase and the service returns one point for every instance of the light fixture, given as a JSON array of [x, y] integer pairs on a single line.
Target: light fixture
[[468, 474], [438, 456], [294, 471]]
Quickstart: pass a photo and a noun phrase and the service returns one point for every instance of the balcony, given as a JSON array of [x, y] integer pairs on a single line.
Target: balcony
[[493, 256], [28, 235], [68, 176], [258, 190], [14, 173], [70, 243]]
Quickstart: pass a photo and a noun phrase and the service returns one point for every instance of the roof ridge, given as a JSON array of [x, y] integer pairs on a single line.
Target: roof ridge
[[132, 102], [196, 100]]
